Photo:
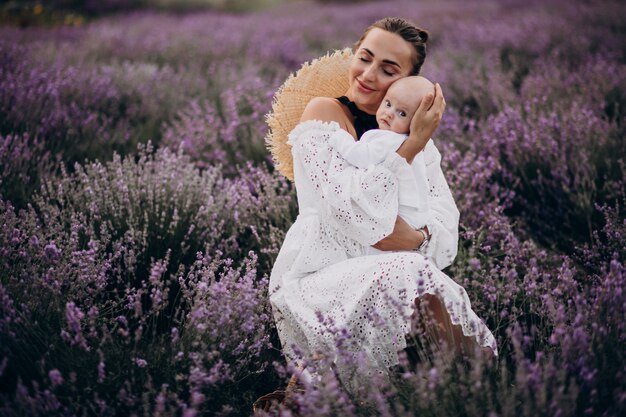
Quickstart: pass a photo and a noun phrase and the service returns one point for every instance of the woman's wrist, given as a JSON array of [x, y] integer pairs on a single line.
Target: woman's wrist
[[410, 148], [424, 238], [418, 138]]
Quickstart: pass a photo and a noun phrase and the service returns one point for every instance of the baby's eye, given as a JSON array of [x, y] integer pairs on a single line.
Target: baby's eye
[[402, 114], [387, 103]]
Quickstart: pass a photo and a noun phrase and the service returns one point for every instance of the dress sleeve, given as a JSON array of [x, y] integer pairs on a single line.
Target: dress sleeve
[[443, 221], [414, 196], [360, 203], [363, 153]]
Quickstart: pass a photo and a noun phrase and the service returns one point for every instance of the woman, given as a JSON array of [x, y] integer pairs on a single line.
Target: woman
[[321, 279]]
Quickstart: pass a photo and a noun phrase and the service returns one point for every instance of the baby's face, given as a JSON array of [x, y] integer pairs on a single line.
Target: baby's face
[[397, 109]]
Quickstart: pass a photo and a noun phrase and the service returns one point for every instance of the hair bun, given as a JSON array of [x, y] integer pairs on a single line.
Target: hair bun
[[423, 35]]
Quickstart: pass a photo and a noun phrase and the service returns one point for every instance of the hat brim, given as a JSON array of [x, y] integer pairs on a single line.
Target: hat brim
[[326, 76]]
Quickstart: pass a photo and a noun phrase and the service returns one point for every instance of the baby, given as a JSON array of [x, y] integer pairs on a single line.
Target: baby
[[394, 119]]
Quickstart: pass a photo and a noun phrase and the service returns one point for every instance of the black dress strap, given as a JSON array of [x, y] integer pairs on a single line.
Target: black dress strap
[[362, 121]]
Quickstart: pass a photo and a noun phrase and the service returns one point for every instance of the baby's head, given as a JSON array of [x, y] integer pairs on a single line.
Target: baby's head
[[401, 101]]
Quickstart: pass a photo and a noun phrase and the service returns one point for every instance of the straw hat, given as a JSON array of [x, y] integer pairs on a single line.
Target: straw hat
[[326, 76]]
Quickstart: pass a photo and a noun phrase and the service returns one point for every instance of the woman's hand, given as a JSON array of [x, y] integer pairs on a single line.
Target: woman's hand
[[423, 124], [403, 237], [427, 116]]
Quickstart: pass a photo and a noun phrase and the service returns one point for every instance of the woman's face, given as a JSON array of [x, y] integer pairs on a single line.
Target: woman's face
[[382, 58]]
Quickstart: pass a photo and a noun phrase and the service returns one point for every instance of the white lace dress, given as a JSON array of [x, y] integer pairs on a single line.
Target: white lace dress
[[322, 278]]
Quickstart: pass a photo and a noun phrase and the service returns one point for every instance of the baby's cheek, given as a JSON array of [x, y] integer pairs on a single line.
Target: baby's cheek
[[404, 127]]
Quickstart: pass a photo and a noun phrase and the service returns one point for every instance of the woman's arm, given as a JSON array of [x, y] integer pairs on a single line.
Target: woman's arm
[[443, 223], [429, 113], [403, 237], [444, 219], [358, 204], [423, 124]]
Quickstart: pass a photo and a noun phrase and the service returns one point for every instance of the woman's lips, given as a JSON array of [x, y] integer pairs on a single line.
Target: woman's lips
[[363, 87]]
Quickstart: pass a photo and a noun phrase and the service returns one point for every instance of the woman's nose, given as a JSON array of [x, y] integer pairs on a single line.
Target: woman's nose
[[369, 73]]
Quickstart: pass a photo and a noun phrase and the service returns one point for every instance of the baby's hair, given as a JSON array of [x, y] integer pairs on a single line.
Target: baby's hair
[[414, 79]]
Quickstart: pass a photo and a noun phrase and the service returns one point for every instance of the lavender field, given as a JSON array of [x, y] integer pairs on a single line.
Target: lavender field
[[140, 213]]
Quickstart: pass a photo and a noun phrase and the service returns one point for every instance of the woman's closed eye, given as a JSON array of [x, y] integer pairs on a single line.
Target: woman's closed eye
[[385, 71]]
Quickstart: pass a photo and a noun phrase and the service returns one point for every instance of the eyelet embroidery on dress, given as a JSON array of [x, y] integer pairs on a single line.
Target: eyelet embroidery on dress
[[321, 280]]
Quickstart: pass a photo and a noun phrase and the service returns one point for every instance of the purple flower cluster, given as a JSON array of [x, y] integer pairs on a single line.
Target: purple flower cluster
[[55, 101], [23, 161], [137, 250], [137, 284], [229, 132]]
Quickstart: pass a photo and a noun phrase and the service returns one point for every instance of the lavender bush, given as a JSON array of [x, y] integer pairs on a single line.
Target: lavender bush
[[129, 256], [136, 284], [227, 132], [67, 107], [23, 161], [76, 113]]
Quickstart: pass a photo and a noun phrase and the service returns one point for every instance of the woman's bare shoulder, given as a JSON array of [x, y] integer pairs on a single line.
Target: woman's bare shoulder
[[326, 109]]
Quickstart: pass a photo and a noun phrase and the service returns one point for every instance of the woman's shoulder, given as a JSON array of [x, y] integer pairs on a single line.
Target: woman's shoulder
[[326, 109], [318, 128]]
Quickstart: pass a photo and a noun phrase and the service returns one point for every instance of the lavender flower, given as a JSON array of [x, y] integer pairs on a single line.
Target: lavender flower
[[55, 377]]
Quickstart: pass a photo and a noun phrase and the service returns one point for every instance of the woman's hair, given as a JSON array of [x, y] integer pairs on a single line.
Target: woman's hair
[[408, 31]]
